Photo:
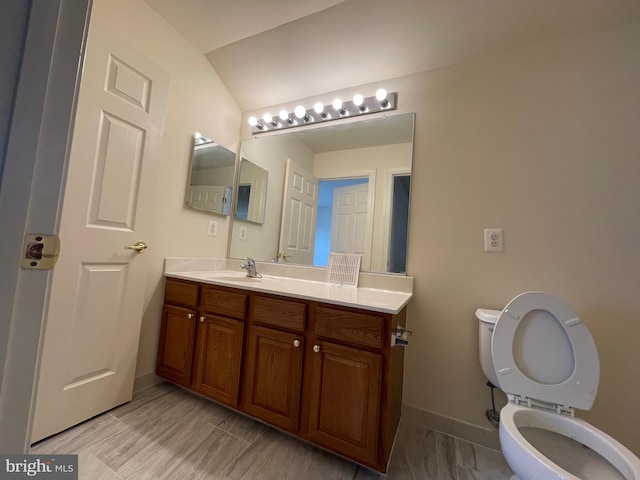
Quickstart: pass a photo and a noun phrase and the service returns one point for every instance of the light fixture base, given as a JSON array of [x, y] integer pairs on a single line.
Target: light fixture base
[[349, 109]]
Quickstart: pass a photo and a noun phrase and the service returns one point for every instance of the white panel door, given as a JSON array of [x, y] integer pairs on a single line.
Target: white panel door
[[299, 213], [96, 301], [349, 222]]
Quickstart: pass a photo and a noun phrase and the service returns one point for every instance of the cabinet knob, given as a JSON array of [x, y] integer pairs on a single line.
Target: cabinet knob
[[296, 343], [316, 348], [190, 316], [203, 318]]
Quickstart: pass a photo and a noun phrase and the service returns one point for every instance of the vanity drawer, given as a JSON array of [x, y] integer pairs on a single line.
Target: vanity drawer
[[181, 293], [350, 327], [224, 302], [280, 313]]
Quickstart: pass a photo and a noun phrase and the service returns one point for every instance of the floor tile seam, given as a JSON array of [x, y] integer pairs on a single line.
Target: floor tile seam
[[157, 414], [160, 441], [118, 420], [317, 453], [235, 458], [120, 477], [89, 448], [236, 436], [143, 400], [137, 422]]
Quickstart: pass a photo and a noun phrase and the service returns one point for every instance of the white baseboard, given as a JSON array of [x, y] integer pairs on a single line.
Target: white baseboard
[[487, 437], [143, 381]]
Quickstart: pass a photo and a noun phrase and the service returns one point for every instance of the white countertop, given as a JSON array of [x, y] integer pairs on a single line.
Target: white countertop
[[378, 300]]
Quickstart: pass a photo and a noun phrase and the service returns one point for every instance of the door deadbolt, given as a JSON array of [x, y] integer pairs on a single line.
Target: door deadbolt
[[40, 251]]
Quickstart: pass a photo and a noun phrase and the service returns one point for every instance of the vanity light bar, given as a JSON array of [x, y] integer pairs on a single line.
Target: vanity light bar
[[320, 113]]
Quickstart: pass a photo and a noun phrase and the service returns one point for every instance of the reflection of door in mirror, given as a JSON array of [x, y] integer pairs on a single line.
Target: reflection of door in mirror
[[342, 218], [211, 179], [252, 192], [299, 211], [349, 221]]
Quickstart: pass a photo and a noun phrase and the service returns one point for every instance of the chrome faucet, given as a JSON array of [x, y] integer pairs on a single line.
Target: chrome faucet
[[250, 267]]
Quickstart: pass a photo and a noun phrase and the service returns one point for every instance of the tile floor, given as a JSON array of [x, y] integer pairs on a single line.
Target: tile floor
[[168, 433]]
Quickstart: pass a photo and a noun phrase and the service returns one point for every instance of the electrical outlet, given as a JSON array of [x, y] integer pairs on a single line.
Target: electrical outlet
[[494, 240], [212, 231], [242, 234]]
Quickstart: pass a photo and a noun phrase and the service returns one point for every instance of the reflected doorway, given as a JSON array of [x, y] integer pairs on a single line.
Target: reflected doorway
[[326, 209], [399, 224]]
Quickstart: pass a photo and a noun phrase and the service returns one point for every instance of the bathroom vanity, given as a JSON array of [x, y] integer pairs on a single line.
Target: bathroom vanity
[[311, 359]]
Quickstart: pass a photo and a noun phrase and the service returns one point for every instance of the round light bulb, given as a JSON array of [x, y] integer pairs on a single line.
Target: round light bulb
[[253, 121], [300, 111], [284, 115], [318, 107], [381, 94], [337, 104], [267, 117], [358, 99]]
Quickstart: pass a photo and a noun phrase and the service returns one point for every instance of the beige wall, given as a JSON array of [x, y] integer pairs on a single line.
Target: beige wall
[[198, 101], [544, 143]]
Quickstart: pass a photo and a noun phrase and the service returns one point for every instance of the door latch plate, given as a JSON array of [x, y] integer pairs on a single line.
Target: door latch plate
[[40, 251]]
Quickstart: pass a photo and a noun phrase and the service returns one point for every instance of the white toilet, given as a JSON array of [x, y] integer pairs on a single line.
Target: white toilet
[[543, 357]]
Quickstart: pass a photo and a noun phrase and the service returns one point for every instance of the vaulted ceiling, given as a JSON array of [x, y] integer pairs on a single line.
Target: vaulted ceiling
[[269, 52]]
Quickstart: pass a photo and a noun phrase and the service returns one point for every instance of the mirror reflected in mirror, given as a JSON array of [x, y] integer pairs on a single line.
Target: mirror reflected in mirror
[[210, 185], [339, 188], [252, 192]]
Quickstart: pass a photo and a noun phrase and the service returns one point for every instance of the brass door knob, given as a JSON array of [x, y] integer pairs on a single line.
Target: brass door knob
[[138, 247]]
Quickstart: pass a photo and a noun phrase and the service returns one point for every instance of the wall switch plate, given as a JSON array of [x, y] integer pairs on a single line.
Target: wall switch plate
[[242, 234], [493, 240], [212, 230]]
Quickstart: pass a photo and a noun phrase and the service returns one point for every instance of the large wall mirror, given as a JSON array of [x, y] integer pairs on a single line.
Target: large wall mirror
[[211, 179], [335, 188]]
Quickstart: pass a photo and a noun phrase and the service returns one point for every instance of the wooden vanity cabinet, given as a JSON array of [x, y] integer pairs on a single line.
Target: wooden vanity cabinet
[[274, 359], [219, 344], [346, 382], [177, 332], [273, 376], [201, 347], [323, 372], [218, 356]]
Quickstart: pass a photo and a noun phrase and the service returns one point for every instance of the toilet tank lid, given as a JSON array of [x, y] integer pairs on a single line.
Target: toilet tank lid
[[487, 315]]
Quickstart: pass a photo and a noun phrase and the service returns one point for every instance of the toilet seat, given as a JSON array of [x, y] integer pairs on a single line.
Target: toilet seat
[[532, 464], [529, 323]]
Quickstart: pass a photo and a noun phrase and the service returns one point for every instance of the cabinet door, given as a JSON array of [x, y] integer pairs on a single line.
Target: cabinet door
[[273, 376], [217, 358], [175, 349], [345, 401]]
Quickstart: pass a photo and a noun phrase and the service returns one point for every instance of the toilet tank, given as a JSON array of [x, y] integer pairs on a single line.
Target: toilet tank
[[486, 322]]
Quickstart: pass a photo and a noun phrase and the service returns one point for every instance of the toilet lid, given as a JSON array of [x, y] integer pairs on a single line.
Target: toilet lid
[[542, 351]]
